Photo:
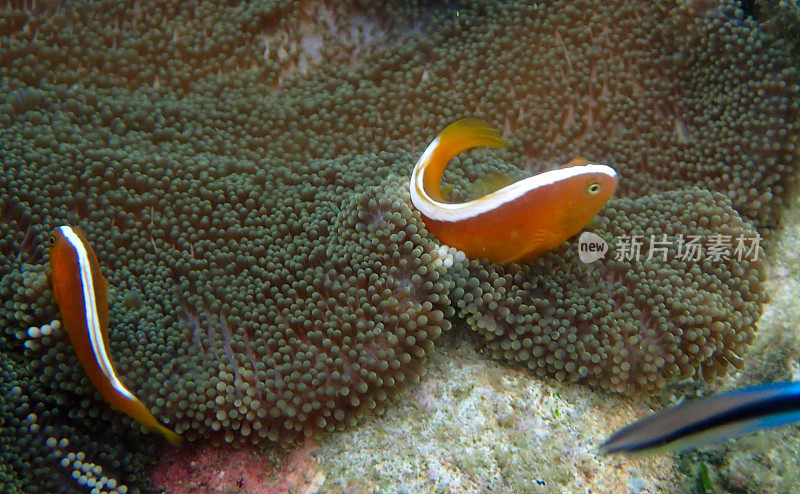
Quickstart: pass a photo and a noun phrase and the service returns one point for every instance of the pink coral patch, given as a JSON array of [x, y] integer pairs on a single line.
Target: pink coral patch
[[245, 470]]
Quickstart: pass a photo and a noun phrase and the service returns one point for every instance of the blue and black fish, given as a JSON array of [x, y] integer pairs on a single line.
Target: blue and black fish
[[710, 419]]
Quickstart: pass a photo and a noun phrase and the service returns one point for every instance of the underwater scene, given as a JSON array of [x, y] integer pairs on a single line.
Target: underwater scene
[[313, 246]]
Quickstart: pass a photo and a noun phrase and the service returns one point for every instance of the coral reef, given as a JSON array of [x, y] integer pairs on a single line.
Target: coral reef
[[232, 165]]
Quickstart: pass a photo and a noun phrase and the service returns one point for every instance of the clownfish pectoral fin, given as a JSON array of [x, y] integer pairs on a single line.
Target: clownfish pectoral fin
[[538, 243]]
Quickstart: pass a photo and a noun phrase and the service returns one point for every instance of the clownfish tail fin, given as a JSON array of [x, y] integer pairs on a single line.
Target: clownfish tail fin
[[456, 138], [173, 438], [466, 134], [138, 411], [157, 428]]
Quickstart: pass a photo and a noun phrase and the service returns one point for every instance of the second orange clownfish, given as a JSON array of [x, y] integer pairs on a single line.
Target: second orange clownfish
[[516, 223], [81, 294]]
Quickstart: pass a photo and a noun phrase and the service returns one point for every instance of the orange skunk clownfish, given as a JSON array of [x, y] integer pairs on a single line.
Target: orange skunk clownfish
[[516, 223], [81, 293]]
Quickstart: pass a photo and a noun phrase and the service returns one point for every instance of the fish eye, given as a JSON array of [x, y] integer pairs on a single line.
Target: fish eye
[[51, 240], [593, 188]]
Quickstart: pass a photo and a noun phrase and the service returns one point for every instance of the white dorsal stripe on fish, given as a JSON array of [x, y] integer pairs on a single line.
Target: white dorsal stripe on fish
[[444, 211], [90, 311]]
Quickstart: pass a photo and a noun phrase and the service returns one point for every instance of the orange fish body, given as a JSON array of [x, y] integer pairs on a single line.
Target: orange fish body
[[516, 223], [81, 292]]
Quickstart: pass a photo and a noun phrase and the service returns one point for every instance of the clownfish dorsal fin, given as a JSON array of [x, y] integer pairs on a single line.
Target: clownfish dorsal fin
[[489, 183], [577, 161], [445, 191]]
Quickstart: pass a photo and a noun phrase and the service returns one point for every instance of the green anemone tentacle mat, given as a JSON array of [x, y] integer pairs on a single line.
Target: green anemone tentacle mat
[[241, 172]]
